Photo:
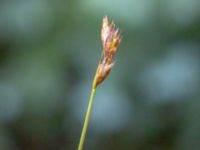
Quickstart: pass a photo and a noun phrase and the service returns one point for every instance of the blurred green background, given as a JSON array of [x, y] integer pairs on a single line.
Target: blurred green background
[[49, 51]]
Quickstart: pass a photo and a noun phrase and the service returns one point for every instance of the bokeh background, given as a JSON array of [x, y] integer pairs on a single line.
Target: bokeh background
[[49, 51]]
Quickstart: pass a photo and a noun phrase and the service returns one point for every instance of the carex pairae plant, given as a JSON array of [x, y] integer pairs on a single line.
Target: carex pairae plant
[[111, 38]]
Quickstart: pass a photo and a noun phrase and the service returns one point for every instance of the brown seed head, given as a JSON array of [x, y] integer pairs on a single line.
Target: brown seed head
[[111, 38]]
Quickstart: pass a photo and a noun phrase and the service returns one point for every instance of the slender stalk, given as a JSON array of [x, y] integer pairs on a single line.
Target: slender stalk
[[87, 117]]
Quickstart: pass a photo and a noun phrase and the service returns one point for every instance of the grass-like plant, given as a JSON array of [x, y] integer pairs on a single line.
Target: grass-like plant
[[111, 38]]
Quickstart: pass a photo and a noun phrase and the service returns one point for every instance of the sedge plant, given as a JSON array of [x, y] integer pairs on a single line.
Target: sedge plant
[[111, 38]]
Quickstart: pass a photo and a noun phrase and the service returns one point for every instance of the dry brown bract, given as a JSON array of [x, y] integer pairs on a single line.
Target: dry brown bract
[[111, 38]]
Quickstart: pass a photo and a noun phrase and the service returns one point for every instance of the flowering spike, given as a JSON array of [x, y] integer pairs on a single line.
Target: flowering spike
[[111, 38]]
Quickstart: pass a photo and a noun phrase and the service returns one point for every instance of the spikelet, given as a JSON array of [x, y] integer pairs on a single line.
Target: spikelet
[[111, 38]]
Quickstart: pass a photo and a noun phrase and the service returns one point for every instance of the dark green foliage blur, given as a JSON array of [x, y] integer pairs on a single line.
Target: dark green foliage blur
[[49, 51]]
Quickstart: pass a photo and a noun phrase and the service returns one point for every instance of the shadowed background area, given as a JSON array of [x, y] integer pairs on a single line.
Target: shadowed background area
[[49, 51]]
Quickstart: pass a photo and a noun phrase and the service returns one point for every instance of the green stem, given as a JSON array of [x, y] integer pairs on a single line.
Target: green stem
[[87, 117]]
